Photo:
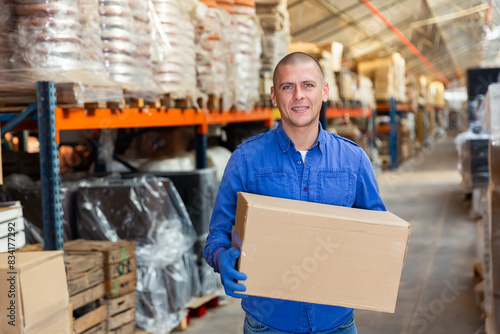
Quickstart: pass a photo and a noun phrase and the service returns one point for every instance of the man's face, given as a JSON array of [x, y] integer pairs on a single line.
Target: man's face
[[298, 94]]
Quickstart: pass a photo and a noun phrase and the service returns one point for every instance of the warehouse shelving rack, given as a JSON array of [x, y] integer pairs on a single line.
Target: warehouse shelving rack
[[394, 109], [50, 120]]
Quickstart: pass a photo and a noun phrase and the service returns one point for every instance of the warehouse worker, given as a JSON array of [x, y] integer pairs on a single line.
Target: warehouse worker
[[301, 161]]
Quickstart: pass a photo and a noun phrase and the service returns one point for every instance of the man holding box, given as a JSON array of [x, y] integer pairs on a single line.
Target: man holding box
[[301, 161]]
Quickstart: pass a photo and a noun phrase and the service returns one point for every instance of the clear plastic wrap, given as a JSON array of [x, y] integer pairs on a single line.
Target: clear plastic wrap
[[197, 190], [8, 18], [151, 212], [174, 64], [126, 33], [55, 40], [92, 57], [329, 76], [275, 22], [210, 57], [247, 61]]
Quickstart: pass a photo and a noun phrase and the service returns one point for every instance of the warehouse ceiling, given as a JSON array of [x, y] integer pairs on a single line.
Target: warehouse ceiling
[[450, 34]]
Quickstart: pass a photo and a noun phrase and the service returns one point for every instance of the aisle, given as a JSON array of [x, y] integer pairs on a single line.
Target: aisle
[[436, 293]]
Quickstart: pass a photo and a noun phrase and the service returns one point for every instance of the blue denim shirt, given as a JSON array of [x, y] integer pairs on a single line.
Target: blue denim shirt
[[336, 171]]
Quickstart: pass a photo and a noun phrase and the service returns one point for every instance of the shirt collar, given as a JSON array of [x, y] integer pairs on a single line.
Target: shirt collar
[[285, 142]]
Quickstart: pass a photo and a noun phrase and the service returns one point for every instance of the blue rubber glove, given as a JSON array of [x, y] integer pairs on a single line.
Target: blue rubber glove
[[226, 260]]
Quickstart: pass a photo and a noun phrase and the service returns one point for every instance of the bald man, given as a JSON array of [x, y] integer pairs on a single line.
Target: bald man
[[297, 160]]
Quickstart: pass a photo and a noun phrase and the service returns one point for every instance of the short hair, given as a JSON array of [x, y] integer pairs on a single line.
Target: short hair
[[295, 58]]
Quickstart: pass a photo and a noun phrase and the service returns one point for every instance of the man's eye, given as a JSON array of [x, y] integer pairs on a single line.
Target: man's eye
[[287, 87], [308, 85]]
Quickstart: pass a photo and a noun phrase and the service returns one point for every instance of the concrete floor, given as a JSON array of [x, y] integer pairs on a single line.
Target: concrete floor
[[436, 291]]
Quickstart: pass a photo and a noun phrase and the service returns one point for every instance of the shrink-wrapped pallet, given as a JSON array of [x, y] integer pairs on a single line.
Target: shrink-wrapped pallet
[[56, 40], [388, 76], [174, 67], [92, 56], [364, 93], [7, 25], [247, 56], [47, 35], [210, 56], [126, 37], [326, 65], [275, 23]]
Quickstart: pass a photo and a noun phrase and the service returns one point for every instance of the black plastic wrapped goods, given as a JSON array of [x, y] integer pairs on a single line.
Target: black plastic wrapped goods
[[21, 188], [149, 211], [198, 190], [475, 162]]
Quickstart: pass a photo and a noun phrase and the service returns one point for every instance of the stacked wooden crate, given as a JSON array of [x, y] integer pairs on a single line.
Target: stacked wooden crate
[[85, 275], [120, 280]]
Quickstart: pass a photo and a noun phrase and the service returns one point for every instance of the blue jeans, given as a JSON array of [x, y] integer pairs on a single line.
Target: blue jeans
[[252, 326]]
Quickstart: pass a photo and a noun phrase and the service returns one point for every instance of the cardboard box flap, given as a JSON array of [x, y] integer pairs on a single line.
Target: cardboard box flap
[[325, 210], [26, 260], [48, 271]]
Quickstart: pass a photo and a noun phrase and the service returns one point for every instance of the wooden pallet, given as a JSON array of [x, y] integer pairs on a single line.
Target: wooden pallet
[[168, 102], [68, 95], [197, 309]]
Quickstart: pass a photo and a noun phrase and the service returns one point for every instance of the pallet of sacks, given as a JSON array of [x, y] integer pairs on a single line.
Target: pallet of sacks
[[120, 280]]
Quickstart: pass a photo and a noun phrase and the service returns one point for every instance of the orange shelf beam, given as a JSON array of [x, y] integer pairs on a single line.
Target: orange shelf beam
[[259, 114], [401, 107], [333, 112], [80, 119]]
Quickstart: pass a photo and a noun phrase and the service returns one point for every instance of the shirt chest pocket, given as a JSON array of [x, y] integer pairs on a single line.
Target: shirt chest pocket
[[335, 188], [271, 183]]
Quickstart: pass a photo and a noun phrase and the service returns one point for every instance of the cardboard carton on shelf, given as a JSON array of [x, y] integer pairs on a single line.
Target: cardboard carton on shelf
[[38, 300], [319, 253]]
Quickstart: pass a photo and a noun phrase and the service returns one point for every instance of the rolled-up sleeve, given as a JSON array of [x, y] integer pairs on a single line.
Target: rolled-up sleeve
[[233, 181]]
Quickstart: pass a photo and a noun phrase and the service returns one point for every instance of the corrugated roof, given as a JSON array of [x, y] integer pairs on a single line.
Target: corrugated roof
[[449, 33]]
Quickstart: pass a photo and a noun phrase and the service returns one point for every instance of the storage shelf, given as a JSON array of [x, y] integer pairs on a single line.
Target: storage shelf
[[258, 114], [334, 112], [400, 107]]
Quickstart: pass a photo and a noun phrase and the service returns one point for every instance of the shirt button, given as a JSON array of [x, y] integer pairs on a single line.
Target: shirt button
[[299, 162], [305, 188]]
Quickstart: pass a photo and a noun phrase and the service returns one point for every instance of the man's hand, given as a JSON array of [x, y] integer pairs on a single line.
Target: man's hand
[[226, 260]]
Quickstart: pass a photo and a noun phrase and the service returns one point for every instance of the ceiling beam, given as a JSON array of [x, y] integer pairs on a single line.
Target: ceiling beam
[[325, 20]]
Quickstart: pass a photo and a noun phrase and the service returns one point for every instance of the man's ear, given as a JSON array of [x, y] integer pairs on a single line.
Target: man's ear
[[273, 97], [326, 91]]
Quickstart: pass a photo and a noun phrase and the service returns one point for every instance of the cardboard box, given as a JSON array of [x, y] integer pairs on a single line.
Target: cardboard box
[[36, 291], [320, 253]]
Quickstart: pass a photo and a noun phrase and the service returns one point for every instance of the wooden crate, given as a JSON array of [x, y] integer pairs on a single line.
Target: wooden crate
[[120, 266], [122, 303], [121, 314], [89, 321]]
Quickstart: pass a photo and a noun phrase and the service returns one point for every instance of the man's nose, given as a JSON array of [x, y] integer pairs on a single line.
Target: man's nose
[[299, 94]]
